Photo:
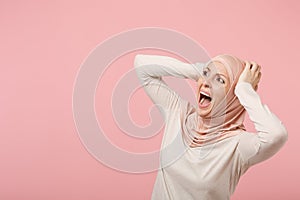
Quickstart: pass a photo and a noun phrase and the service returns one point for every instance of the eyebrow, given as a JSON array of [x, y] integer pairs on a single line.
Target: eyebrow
[[217, 73], [207, 68], [222, 75]]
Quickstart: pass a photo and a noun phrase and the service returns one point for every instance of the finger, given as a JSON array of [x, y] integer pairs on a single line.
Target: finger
[[243, 63], [257, 79], [259, 67], [247, 65], [259, 76], [254, 66], [257, 73]]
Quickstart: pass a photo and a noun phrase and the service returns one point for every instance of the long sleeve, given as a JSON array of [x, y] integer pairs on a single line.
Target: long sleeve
[[271, 133], [151, 68]]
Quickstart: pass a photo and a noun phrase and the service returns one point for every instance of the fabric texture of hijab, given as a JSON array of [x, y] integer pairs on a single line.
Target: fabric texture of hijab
[[225, 119]]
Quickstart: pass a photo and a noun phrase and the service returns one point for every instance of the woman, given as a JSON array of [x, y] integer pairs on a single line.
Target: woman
[[212, 148]]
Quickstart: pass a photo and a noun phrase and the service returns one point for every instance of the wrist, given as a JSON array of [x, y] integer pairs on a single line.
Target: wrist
[[242, 85]]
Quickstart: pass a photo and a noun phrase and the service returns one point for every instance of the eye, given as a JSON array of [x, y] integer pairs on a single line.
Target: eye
[[205, 72], [221, 80]]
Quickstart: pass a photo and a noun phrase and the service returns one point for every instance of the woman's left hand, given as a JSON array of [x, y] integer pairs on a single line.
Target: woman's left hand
[[251, 74]]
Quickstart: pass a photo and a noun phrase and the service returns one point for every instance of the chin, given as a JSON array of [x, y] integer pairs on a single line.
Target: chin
[[204, 113]]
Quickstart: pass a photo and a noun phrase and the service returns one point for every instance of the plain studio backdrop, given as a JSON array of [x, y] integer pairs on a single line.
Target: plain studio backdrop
[[43, 44]]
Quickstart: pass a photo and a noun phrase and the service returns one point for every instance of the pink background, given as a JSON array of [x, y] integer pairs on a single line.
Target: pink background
[[42, 45]]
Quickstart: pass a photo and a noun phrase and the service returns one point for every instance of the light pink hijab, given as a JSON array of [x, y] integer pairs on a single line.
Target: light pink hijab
[[225, 119]]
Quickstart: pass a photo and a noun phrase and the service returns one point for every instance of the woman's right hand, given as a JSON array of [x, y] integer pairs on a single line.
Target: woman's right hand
[[251, 74]]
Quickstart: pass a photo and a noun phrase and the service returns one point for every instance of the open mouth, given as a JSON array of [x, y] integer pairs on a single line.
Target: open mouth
[[204, 99]]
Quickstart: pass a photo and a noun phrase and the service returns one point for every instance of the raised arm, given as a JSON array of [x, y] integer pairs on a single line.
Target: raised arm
[[271, 133], [151, 68]]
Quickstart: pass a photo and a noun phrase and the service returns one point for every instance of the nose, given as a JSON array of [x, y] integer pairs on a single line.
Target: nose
[[206, 84]]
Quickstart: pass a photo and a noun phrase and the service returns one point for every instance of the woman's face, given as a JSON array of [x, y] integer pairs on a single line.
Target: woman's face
[[212, 87]]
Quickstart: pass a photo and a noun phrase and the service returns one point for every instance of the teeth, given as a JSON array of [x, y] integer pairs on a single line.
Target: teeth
[[204, 94], [202, 100]]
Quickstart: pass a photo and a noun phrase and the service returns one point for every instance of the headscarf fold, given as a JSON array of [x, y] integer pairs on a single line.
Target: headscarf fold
[[225, 119]]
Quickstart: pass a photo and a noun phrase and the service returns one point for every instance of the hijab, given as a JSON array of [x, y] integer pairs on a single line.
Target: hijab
[[226, 116]]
